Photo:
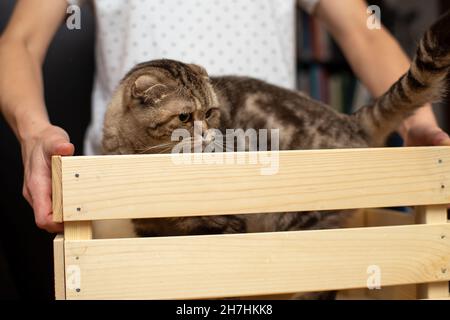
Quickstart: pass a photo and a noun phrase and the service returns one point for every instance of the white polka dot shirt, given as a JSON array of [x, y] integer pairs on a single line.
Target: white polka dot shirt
[[228, 37]]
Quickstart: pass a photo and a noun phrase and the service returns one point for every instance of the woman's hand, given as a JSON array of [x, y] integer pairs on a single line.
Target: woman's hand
[[37, 186], [23, 46], [422, 129], [425, 135]]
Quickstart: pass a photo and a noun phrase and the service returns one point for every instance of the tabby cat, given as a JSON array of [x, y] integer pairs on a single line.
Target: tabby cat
[[157, 97]]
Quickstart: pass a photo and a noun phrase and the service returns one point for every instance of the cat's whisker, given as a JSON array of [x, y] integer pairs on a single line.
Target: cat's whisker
[[223, 147], [154, 147], [165, 150], [157, 146]]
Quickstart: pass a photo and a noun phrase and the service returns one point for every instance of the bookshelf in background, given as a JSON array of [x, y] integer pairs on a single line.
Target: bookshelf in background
[[323, 71], [325, 75]]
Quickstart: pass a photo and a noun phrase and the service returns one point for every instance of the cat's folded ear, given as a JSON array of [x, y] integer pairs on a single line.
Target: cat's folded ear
[[199, 69], [146, 85], [148, 89]]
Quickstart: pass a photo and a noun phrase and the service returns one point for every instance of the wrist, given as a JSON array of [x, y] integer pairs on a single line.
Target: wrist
[[423, 117], [29, 128]]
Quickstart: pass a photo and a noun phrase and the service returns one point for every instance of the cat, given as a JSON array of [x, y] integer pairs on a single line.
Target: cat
[[157, 97]]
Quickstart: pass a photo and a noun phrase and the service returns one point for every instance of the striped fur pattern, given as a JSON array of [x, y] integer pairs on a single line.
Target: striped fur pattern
[[160, 96], [426, 81]]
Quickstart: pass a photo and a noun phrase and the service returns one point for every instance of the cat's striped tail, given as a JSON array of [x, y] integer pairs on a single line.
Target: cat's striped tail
[[426, 81]]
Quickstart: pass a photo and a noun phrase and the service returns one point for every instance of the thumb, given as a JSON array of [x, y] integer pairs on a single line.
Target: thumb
[[63, 149], [441, 139], [59, 146]]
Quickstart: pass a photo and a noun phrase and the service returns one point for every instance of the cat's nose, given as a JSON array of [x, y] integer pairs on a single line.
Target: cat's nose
[[198, 115], [209, 137]]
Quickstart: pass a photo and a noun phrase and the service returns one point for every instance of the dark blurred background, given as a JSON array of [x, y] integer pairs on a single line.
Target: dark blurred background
[[26, 253], [26, 259]]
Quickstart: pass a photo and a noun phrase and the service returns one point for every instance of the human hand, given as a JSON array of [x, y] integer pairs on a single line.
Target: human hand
[[37, 186], [426, 135]]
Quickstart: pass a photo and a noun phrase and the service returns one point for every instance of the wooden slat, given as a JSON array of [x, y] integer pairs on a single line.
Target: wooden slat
[[78, 230], [57, 189], [435, 291], [385, 217], [378, 218], [405, 292], [58, 260], [75, 230], [115, 187], [257, 264], [434, 215]]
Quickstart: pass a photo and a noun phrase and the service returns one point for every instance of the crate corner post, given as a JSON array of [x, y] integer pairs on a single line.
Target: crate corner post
[[59, 267], [433, 214], [57, 199]]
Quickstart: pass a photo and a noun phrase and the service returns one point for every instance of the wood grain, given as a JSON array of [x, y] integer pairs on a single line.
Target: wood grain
[[385, 217], [57, 189], [59, 267], [258, 264], [115, 187], [78, 230], [434, 215]]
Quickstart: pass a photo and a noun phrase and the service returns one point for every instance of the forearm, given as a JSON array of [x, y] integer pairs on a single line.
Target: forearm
[[375, 56], [23, 46], [378, 61], [21, 89]]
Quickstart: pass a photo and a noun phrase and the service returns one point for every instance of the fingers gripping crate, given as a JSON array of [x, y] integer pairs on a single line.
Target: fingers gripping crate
[[86, 189]]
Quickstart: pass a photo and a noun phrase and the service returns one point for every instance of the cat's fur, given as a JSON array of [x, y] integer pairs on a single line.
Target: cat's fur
[[146, 108]]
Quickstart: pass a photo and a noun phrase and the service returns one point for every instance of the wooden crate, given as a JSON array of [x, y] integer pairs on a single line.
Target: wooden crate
[[87, 189]]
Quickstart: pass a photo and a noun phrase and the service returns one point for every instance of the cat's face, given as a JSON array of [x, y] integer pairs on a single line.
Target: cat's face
[[163, 96]]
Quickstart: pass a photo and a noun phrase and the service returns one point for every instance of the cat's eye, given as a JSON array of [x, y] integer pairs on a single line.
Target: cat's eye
[[184, 117], [209, 113]]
